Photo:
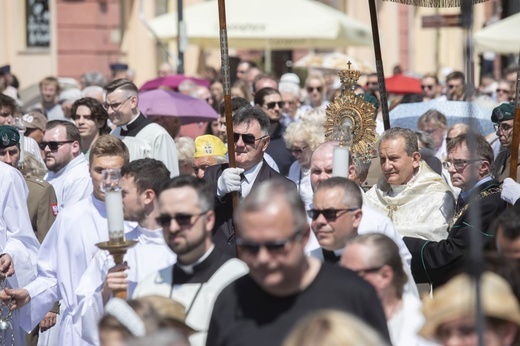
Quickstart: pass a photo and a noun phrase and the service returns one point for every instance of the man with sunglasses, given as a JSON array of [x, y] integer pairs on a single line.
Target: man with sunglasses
[[503, 117], [66, 252], [455, 88], [251, 136], [283, 284], [142, 137], [186, 216], [67, 165], [270, 101], [141, 181], [431, 88], [470, 170]]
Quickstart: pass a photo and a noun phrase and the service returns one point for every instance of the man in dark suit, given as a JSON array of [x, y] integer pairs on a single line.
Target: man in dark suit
[[470, 170], [251, 137]]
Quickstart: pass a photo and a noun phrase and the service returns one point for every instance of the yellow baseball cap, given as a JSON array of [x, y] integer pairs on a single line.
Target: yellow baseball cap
[[209, 145]]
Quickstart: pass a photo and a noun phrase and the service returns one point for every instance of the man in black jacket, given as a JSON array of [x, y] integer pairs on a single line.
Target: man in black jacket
[[251, 137], [470, 170]]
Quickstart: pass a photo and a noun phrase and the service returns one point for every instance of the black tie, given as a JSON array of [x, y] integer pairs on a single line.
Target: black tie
[[460, 203]]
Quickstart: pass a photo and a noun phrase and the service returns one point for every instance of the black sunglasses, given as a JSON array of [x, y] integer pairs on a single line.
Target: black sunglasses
[[247, 138], [429, 87], [271, 105], [276, 246], [362, 272], [53, 145], [318, 89], [328, 214], [182, 219], [297, 150]]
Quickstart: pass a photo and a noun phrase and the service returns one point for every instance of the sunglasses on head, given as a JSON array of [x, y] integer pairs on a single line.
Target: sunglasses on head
[[182, 219], [271, 105], [276, 246], [53, 145], [318, 89], [247, 138], [328, 214]]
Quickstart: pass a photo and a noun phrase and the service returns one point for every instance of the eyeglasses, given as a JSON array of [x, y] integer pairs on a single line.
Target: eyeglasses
[[503, 91], [271, 105], [458, 165], [53, 145], [297, 150], [372, 83], [115, 106], [363, 272], [328, 214], [452, 86], [444, 333], [276, 246], [318, 89], [5, 115], [247, 138], [502, 126], [429, 87], [182, 220]]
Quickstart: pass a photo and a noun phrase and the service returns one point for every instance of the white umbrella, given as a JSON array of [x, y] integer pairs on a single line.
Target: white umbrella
[[501, 37], [267, 24]]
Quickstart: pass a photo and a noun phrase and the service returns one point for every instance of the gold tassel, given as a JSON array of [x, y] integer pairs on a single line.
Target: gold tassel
[[434, 3]]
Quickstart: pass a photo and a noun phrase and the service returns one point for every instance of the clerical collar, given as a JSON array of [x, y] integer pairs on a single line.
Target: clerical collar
[[189, 268], [397, 189], [134, 126]]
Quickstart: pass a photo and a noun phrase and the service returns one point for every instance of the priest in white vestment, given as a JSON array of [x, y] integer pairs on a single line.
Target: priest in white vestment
[[68, 249], [202, 270], [143, 137], [416, 199], [18, 244], [140, 182]]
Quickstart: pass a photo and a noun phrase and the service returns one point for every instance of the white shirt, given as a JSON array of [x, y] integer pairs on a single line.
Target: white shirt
[[64, 256], [152, 141], [16, 235], [72, 183], [149, 255], [249, 179]]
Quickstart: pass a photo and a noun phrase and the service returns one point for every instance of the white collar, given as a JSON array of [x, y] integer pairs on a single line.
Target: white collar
[[124, 127], [251, 173], [188, 268]]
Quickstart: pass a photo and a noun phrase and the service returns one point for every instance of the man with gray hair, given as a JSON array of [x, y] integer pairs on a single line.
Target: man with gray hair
[[416, 199], [142, 137], [290, 93], [251, 136], [283, 283]]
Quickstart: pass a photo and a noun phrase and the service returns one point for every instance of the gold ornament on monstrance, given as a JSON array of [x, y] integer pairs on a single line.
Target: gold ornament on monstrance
[[350, 119]]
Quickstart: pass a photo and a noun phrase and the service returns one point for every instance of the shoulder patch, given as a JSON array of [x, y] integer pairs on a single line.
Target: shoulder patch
[[54, 209]]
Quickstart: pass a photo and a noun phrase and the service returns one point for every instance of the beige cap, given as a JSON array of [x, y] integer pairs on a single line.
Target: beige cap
[[34, 120], [456, 299]]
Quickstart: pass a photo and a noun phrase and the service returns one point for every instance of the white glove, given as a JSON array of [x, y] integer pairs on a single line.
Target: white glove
[[229, 181], [510, 191]]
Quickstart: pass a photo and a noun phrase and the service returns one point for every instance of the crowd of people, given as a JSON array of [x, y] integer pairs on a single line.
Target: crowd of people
[[273, 251]]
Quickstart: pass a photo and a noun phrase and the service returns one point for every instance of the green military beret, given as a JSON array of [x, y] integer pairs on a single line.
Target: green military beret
[[371, 99], [506, 111], [9, 136]]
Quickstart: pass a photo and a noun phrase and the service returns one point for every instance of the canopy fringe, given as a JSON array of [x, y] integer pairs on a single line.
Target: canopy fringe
[[434, 3]]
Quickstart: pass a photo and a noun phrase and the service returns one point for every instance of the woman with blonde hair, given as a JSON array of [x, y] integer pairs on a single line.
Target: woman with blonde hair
[[333, 328], [316, 91]]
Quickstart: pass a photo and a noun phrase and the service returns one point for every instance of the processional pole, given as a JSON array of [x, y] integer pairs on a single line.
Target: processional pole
[[379, 64], [226, 81], [513, 169]]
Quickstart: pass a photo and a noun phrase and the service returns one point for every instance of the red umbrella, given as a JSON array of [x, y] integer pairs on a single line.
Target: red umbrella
[[169, 103], [401, 84], [172, 81]]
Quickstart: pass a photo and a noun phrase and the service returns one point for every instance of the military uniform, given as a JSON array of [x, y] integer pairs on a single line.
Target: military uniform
[[42, 204]]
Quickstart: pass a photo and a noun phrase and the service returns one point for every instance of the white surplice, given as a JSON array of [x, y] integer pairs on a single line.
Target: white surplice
[[72, 183], [152, 141], [16, 235], [422, 208], [149, 255], [65, 254]]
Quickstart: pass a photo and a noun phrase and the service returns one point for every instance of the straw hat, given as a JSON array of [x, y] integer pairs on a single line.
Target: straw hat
[[171, 310], [456, 299]]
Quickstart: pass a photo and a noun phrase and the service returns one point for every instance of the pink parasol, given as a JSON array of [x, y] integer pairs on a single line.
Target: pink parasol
[[172, 82]]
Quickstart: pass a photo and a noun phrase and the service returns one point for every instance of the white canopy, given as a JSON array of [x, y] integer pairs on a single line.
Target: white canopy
[[267, 24], [501, 37]]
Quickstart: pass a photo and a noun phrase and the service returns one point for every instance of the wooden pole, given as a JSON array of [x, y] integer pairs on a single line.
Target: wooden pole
[[516, 131], [379, 64], [226, 81]]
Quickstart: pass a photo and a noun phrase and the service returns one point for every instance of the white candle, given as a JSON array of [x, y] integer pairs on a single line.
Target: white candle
[[340, 161], [114, 206], [22, 146]]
